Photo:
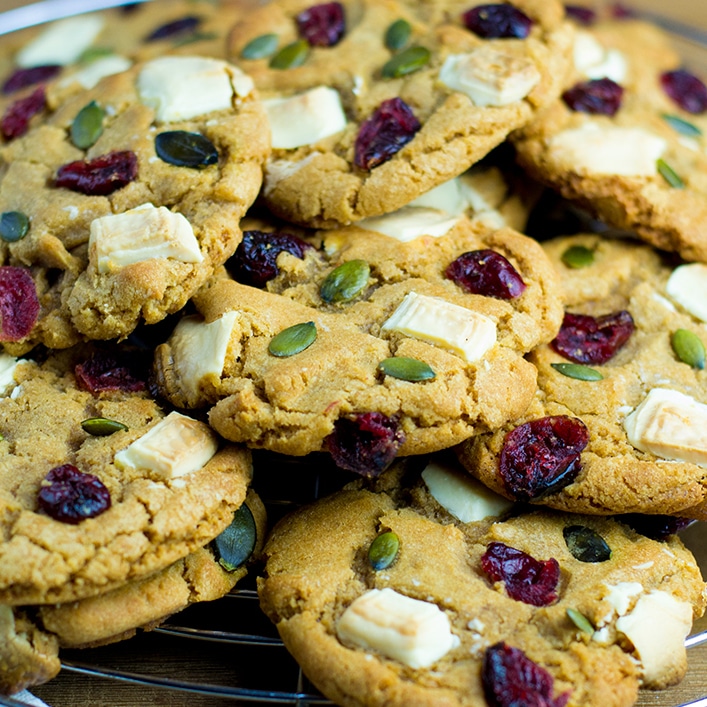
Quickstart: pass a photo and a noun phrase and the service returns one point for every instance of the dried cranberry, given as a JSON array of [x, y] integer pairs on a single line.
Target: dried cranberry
[[619, 11], [583, 15], [19, 304], [28, 77], [598, 96], [70, 496], [365, 443], [686, 90], [511, 679], [526, 579], [100, 176], [177, 28], [255, 259], [107, 372], [542, 456], [322, 25], [486, 272], [15, 122], [658, 527], [387, 131], [498, 21], [589, 340]]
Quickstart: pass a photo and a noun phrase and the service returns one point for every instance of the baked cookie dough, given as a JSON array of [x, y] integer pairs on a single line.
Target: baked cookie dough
[[639, 410], [359, 129], [384, 598]]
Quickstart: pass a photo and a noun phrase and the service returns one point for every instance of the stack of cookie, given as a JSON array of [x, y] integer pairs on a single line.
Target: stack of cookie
[[308, 219]]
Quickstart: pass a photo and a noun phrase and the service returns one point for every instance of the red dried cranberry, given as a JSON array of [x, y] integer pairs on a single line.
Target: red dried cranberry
[[15, 122], [255, 261], [486, 272], [498, 21], [542, 456], [100, 176], [511, 679], [387, 131], [107, 372], [620, 12], [28, 77], [182, 26], [322, 25], [365, 443], [583, 15], [658, 527], [589, 340], [598, 96], [686, 90], [69, 495], [19, 304]]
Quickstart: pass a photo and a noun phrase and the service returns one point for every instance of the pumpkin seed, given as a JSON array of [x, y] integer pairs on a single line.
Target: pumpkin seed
[[102, 426], [345, 282], [669, 174], [260, 47], [13, 226], [580, 621], [407, 369], [585, 544], [688, 348], [406, 62], [87, 126], [236, 544], [292, 340], [578, 371], [92, 53], [397, 35], [578, 256], [383, 550], [194, 37], [681, 126], [185, 149], [292, 55]]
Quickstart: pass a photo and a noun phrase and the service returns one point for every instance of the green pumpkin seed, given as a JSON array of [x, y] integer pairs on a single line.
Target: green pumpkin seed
[[92, 53], [102, 426], [292, 340], [585, 544], [260, 47], [236, 544], [578, 256], [578, 371], [185, 149], [682, 126], [292, 55], [87, 126], [407, 369], [13, 226], [688, 348], [580, 621], [194, 37], [397, 35], [345, 282], [669, 174], [406, 62], [383, 550]]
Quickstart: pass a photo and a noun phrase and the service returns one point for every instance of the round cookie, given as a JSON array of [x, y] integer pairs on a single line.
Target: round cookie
[[635, 391], [430, 627], [364, 298], [619, 145], [87, 505], [355, 138]]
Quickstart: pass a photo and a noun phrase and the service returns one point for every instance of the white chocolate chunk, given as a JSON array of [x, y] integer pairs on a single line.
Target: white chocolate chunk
[[464, 497], [621, 594], [411, 631], [466, 333], [670, 425], [141, 233], [8, 364], [174, 447], [305, 118], [594, 149], [657, 628], [596, 61], [687, 285], [411, 222], [183, 87], [91, 74], [62, 42], [489, 77], [446, 197]]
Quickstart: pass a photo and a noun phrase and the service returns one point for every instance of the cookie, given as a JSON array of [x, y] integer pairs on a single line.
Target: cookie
[[99, 484], [627, 139], [387, 339], [616, 422], [388, 598], [360, 129]]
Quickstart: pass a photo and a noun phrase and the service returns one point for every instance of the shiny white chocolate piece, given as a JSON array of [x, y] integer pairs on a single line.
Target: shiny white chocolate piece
[[411, 222], [687, 285], [8, 364], [596, 61], [90, 75], [621, 595]]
